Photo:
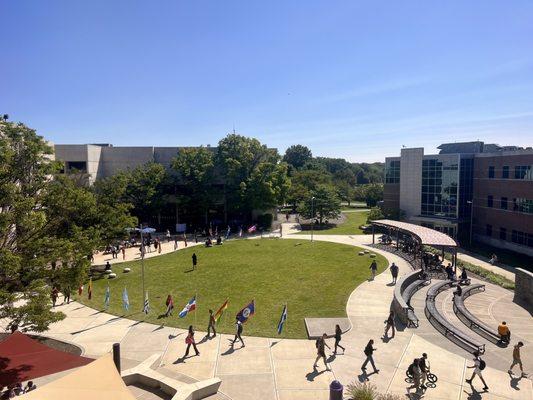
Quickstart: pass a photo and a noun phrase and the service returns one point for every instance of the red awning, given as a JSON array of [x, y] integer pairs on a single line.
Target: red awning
[[23, 359]]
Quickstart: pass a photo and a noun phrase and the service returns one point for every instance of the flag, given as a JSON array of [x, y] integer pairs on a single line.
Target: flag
[[246, 312], [146, 307], [220, 311], [90, 289], [252, 229], [80, 290], [190, 306], [125, 300], [228, 232], [107, 297], [240, 232], [282, 319]]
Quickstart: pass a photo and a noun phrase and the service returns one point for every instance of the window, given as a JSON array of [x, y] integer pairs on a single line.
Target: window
[[491, 172], [523, 205], [503, 234], [76, 166], [488, 230], [503, 203], [489, 201], [392, 172], [505, 172], [524, 172]]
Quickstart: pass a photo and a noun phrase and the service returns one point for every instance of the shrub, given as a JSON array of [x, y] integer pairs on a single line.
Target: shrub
[[390, 396], [362, 391]]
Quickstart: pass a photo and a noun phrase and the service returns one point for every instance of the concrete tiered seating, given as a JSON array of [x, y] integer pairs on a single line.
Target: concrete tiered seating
[[444, 326], [404, 290]]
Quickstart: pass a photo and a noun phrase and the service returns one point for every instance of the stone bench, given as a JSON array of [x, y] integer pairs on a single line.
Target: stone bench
[[405, 288]]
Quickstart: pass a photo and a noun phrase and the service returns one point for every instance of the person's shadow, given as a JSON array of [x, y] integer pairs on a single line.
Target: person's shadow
[[514, 381], [313, 374]]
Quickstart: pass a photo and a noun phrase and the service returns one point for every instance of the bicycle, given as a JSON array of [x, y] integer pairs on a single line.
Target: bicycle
[[431, 378]]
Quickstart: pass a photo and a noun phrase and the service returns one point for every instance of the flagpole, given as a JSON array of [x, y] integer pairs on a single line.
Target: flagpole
[[142, 263], [196, 301]]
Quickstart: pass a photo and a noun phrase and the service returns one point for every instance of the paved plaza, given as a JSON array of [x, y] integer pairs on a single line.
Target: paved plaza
[[281, 369]]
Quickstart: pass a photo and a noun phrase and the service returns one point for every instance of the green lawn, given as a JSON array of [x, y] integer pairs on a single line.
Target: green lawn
[[314, 279], [349, 227]]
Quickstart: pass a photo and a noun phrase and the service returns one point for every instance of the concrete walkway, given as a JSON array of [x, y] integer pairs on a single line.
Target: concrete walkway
[[281, 369], [507, 273]]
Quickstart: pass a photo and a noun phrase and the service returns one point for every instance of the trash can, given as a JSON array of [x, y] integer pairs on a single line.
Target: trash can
[[335, 390]]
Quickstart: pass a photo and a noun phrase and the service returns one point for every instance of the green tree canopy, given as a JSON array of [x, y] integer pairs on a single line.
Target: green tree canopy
[[323, 204], [48, 226], [297, 155]]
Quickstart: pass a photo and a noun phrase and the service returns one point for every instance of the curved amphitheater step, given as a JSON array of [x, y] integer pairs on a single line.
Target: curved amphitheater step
[[489, 307]]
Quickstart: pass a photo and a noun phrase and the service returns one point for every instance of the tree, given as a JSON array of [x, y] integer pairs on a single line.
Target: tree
[[297, 155], [252, 174], [323, 204], [345, 192], [373, 193], [374, 214], [48, 226], [194, 168]]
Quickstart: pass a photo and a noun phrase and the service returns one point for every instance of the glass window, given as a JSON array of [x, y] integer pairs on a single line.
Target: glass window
[[523, 205], [392, 172], [489, 201], [503, 234], [488, 230], [524, 172], [440, 179], [505, 172], [503, 203], [491, 172]]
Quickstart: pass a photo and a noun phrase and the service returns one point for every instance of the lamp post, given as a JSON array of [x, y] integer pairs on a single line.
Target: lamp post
[[471, 202], [312, 216], [142, 262]]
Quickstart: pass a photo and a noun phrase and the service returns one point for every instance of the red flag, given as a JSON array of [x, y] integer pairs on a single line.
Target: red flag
[[90, 289]]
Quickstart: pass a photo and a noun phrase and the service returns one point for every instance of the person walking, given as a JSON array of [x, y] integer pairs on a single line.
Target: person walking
[[211, 325], [123, 252], [168, 236], [369, 353], [190, 342], [238, 334], [389, 323], [416, 372], [394, 272], [66, 294], [54, 295], [170, 305], [321, 351], [338, 336], [175, 243], [479, 365], [184, 239], [373, 269], [159, 243], [424, 368], [194, 261], [517, 360]]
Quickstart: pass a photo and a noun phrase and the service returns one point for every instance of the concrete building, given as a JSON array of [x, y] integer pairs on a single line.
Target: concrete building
[[96, 161], [442, 190]]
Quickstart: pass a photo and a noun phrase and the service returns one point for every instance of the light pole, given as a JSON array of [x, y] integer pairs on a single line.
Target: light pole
[[312, 216], [142, 262], [471, 202]]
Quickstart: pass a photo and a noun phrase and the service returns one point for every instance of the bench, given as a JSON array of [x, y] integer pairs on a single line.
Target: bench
[[404, 290], [443, 325], [467, 318]]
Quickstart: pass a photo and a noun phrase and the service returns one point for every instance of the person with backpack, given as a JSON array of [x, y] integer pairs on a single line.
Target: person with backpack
[[369, 351], [479, 365], [338, 336], [321, 351], [394, 272], [389, 323], [189, 340], [416, 372], [373, 269]]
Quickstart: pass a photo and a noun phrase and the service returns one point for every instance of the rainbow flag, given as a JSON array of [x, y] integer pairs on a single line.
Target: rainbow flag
[[220, 311]]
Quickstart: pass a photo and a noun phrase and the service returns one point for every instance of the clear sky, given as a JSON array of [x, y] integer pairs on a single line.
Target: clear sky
[[353, 79]]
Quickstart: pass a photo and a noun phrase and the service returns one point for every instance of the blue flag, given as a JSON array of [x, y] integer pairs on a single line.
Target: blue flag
[[282, 319], [125, 300], [107, 297], [246, 312], [190, 306]]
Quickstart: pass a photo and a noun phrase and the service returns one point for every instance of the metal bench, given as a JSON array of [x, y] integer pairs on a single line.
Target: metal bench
[[467, 318], [443, 325]]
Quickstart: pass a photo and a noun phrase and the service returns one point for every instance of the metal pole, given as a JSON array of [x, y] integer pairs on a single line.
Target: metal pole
[[116, 355], [142, 264], [471, 219], [373, 232], [312, 216]]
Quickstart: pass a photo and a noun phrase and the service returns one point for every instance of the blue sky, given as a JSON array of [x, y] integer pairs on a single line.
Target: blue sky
[[352, 79]]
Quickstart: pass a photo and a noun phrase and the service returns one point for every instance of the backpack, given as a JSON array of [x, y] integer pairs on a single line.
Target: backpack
[[482, 364], [317, 343]]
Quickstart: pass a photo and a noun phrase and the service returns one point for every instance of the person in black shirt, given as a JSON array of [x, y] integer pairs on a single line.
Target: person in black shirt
[[369, 351], [389, 323], [194, 260], [338, 333], [321, 351]]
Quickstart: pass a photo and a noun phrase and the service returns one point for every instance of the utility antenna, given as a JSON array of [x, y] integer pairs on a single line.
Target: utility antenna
[[234, 128]]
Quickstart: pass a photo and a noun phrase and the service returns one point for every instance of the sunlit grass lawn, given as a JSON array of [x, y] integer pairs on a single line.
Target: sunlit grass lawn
[[349, 227], [314, 279]]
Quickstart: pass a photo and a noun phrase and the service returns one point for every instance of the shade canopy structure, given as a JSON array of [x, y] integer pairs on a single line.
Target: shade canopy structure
[[99, 380], [425, 236], [23, 358]]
